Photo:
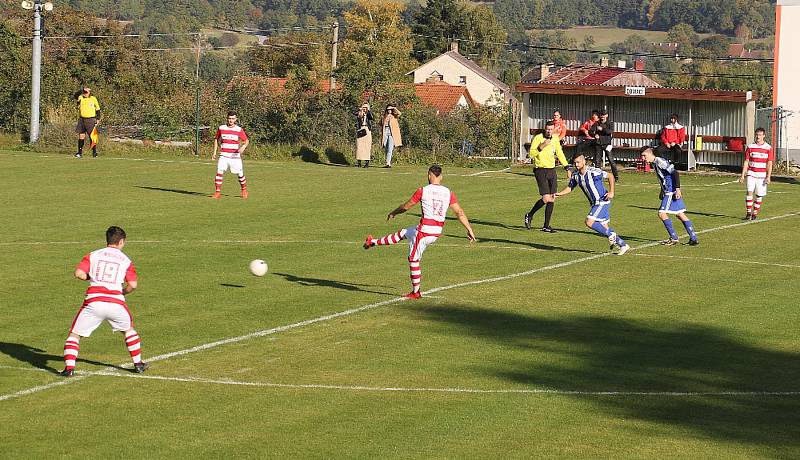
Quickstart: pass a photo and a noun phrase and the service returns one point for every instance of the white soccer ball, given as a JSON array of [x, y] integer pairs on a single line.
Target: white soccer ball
[[258, 267]]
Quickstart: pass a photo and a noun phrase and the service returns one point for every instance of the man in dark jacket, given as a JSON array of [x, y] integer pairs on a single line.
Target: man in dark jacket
[[603, 132]]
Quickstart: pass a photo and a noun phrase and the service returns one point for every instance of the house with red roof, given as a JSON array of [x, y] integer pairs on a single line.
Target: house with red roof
[[455, 69], [444, 97]]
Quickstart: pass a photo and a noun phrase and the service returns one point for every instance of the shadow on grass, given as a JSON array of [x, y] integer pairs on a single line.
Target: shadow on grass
[[172, 190], [688, 213], [529, 244], [595, 353], [305, 281], [40, 359], [232, 285], [334, 157]]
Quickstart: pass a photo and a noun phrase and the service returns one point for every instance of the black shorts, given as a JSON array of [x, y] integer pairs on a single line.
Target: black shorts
[[547, 180], [85, 125]]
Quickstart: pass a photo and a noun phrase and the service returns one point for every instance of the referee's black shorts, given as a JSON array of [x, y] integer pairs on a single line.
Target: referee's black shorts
[[546, 179]]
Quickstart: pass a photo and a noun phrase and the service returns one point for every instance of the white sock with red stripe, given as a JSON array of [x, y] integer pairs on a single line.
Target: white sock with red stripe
[[749, 203], [71, 347], [757, 205], [243, 182], [133, 342], [416, 274], [218, 182], [394, 238]]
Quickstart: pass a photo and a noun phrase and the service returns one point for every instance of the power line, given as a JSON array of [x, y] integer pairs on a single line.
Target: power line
[[516, 46]]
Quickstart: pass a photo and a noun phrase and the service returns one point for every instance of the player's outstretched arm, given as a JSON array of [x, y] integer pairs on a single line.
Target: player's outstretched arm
[[566, 191], [611, 184], [401, 209], [244, 146], [462, 218], [81, 275], [744, 169], [216, 146], [130, 287]]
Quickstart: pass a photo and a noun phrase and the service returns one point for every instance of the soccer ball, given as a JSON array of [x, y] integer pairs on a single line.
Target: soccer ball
[[258, 267]]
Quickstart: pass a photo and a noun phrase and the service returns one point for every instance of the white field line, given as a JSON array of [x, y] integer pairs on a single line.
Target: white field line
[[479, 173], [347, 243], [545, 391], [351, 311], [714, 259]]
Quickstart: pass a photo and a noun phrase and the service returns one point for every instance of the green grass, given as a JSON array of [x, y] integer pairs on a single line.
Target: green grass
[[605, 36], [688, 320]]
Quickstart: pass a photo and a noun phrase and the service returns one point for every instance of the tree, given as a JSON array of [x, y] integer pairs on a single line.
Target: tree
[[375, 53]]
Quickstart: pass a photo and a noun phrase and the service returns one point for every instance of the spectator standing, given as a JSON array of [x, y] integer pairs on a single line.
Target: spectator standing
[[364, 127], [586, 139], [391, 137], [672, 138], [88, 114], [603, 133], [559, 126]]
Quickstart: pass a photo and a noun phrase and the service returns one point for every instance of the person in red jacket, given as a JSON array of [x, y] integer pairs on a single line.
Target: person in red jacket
[[673, 136]]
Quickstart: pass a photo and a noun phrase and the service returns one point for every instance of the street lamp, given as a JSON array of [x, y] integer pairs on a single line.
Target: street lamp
[[36, 61]]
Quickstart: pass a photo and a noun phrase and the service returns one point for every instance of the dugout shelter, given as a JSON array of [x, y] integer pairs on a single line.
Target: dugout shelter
[[719, 124]]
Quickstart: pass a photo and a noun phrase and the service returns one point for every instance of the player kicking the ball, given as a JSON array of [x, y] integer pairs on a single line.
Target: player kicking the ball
[[434, 200], [590, 180], [671, 198], [231, 141], [106, 270]]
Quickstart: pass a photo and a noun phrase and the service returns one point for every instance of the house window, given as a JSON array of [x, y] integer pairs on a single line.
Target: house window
[[462, 80]]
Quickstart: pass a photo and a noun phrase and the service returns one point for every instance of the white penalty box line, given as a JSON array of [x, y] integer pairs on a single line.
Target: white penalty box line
[[396, 389], [365, 388], [275, 330]]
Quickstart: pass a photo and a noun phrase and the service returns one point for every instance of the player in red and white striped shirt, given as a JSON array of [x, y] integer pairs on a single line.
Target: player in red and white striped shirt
[[111, 276], [757, 173], [231, 140], [434, 199]]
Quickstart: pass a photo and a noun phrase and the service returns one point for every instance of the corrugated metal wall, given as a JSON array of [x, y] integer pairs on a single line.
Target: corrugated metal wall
[[648, 116]]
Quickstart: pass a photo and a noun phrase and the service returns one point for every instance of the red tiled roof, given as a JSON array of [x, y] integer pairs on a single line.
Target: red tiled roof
[[601, 76], [442, 96], [591, 74]]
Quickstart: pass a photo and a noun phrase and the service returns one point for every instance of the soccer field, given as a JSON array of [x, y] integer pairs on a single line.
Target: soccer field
[[526, 344]]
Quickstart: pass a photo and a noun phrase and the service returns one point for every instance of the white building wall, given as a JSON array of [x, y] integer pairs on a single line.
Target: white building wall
[[786, 71], [482, 91]]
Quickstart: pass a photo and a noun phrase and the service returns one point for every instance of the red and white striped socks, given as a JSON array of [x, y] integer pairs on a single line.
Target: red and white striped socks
[[416, 275], [133, 342], [71, 347], [243, 182], [749, 203], [757, 205], [218, 182], [394, 238]]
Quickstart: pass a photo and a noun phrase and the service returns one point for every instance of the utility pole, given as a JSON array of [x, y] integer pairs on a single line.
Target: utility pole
[[334, 50], [36, 61], [197, 98]]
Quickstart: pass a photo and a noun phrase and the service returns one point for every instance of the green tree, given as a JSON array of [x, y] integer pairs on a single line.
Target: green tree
[[375, 54]]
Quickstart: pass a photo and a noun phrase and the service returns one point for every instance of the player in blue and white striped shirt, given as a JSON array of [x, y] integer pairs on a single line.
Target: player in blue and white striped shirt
[[590, 181], [671, 198]]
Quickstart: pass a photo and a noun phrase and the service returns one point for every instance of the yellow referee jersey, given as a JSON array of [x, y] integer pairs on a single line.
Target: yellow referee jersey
[[88, 106]]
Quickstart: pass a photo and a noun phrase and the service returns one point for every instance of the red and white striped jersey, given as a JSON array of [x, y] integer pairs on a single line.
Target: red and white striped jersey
[[108, 268], [757, 157], [230, 139], [434, 201]]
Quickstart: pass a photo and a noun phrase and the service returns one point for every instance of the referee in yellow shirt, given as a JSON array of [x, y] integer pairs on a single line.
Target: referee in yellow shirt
[[545, 147], [89, 110]]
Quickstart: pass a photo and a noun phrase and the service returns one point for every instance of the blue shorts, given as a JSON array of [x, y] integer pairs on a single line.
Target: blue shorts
[[670, 205], [600, 212]]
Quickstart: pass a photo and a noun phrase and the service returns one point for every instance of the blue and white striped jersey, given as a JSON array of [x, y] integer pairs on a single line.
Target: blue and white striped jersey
[[666, 174], [591, 183]]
